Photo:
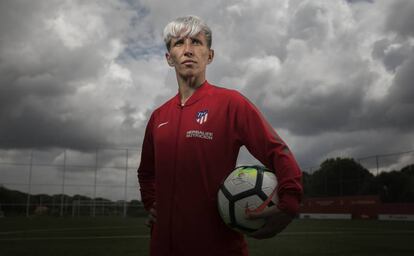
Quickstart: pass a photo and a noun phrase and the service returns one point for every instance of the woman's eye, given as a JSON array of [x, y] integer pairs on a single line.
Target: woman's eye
[[179, 42]]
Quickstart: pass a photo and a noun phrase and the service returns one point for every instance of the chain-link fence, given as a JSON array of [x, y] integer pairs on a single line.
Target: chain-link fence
[[65, 182], [380, 162], [371, 175], [103, 182]]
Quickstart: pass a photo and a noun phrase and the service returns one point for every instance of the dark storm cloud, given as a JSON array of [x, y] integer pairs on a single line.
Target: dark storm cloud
[[391, 53], [320, 86], [34, 126], [400, 18], [48, 65], [358, 1], [343, 86], [315, 114], [400, 111], [398, 56]]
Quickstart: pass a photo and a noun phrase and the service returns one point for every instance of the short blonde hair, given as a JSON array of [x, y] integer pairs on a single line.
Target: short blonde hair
[[186, 26]]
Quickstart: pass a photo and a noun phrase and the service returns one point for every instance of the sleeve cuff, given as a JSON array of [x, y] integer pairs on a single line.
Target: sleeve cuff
[[289, 203]]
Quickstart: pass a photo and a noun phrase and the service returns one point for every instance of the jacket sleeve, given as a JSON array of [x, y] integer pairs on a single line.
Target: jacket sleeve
[[264, 144], [146, 169]]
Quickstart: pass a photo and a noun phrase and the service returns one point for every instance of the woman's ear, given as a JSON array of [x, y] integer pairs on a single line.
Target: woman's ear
[[210, 56], [169, 59]]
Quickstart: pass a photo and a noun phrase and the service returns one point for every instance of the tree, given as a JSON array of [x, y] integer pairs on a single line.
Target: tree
[[341, 177], [397, 186]]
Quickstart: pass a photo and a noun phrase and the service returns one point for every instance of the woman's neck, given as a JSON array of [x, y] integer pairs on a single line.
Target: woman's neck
[[187, 86]]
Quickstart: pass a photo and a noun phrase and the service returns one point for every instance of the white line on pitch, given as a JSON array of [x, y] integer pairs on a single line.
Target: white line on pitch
[[74, 238], [376, 232], [62, 229]]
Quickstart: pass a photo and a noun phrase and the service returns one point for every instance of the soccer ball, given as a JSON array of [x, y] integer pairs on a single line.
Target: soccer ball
[[247, 188]]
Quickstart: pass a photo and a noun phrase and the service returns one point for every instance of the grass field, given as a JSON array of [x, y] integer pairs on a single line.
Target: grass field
[[123, 237]]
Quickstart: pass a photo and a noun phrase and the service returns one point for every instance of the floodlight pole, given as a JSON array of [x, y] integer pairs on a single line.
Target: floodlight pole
[[126, 183], [95, 182], [29, 189], [73, 208], [62, 201]]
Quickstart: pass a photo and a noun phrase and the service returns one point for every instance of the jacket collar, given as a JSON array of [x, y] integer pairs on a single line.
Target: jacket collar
[[199, 93]]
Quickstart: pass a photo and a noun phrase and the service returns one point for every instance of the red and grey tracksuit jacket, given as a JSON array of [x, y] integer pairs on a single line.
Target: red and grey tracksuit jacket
[[186, 154]]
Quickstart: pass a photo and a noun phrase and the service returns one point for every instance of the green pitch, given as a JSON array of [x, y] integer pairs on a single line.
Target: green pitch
[[118, 236]]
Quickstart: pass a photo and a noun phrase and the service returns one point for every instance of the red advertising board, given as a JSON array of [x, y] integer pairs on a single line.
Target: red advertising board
[[397, 208], [358, 206]]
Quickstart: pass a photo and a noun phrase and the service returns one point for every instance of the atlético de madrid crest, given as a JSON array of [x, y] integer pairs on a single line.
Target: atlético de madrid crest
[[201, 116]]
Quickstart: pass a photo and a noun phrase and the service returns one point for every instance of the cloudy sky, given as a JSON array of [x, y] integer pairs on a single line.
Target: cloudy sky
[[334, 78]]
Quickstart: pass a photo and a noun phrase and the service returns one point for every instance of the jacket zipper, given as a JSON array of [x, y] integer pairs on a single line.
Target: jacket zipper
[[177, 138]]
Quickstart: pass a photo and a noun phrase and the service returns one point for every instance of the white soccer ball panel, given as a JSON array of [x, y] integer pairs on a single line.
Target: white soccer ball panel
[[251, 202], [223, 207], [240, 180], [269, 184], [269, 180]]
